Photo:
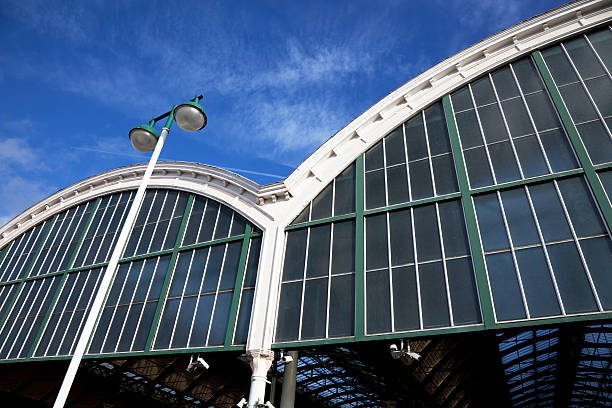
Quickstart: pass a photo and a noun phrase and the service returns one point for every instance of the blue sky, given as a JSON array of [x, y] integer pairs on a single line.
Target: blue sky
[[278, 78]]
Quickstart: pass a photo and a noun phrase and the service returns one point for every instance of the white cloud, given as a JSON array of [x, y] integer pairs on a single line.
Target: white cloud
[[19, 193], [17, 151]]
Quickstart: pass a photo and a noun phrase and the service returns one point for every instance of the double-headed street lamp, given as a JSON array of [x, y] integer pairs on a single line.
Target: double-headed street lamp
[[145, 138]]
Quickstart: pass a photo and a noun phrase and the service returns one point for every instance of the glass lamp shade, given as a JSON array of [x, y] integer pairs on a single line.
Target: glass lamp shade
[[144, 138], [190, 116]]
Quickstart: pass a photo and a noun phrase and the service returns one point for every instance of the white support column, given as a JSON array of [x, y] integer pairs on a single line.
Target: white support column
[[288, 396], [97, 304], [260, 364]]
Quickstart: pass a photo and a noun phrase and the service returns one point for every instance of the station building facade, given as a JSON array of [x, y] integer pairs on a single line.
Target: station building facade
[[474, 198]]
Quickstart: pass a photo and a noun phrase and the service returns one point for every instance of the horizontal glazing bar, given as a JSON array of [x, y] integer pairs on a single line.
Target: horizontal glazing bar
[[318, 222], [532, 180]]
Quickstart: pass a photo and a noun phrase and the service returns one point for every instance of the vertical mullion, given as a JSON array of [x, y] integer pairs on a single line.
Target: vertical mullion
[[329, 277], [199, 295], [158, 220], [578, 247], [116, 307], [146, 299], [384, 149], [416, 268], [390, 271], [233, 316], [533, 125], [359, 249], [448, 295], [166, 285], [64, 277], [7, 249], [586, 90], [572, 132], [545, 249], [30, 266], [178, 310], [597, 55], [407, 164], [431, 171], [513, 252], [304, 282], [482, 135], [214, 308], [470, 217], [501, 110]]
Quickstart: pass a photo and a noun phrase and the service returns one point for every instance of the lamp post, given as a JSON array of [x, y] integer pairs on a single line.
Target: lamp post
[[145, 138]]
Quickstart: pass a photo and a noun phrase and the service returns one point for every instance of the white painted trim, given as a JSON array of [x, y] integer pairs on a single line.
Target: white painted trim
[[231, 189]]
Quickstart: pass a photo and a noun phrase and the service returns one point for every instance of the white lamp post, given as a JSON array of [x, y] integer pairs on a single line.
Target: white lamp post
[[190, 117]]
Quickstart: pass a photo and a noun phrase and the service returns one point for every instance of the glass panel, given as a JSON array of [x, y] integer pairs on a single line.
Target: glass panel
[[420, 179], [598, 255], [483, 91], [559, 65], [583, 58], [202, 321], [464, 295], [343, 251], [538, 285], [504, 83], [453, 229], [436, 130], [342, 306], [218, 328], [600, 90], [397, 184], [378, 311], [433, 295], [469, 132], [492, 123], [375, 189], [315, 309], [558, 150], [550, 213], [597, 141], [402, 250], [344, 202], [295, 255], [602, 42], [322, 204], [571, 278], [303, 216], [478, 167], [578, 103], [318, 251], [405, 299], [490, 222], [288, 323], [517, 117], [505, 287], [444, 174], [426, 233], [527, 76], [415, 138], [244, 317], [542, 111], [374, 157], [394, 147], [462, 99], [504, 162], [530, 156], [581, 207], [520, 220], [376, 242]]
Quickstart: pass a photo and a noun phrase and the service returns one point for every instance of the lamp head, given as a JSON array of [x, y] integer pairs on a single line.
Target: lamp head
[[144, 138], [190, 116]]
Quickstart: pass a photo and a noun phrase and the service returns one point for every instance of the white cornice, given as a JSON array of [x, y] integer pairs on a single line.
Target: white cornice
[[232, 189], [339, 151]]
